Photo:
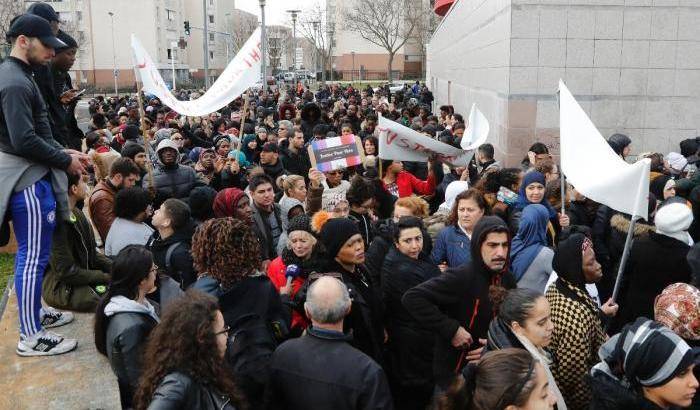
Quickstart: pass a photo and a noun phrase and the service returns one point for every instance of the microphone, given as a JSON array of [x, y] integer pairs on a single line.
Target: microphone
[[292, 272]]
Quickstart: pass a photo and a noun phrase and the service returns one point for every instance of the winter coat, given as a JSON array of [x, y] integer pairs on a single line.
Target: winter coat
[[321, 370], [408, 184], [175, 181], [262, 230], [275, 171], [180, 266], [366, 318], [453, 246], [458, 297], [296, 163], [75, 266], [410, 344], [178, 390], [578, 334], [654, 263], [365, 225], [609, 394], [130, 324], [101, 205]]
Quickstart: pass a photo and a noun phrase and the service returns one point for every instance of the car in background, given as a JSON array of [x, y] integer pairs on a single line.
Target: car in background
[[394, 86]]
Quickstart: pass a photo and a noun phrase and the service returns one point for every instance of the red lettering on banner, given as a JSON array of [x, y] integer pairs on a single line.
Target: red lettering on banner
[[390, 137], [254, 55]]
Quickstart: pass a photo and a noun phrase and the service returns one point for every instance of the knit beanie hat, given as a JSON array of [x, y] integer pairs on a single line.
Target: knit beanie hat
[[336, 232], [673, 220], [678, 308], [300, 223], [676, 162], [225, 202]]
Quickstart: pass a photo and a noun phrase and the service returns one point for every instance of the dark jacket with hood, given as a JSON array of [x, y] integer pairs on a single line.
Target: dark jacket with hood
[[458, 297], [310, 117], [410, 344], [275, 171], [172, 181], [179, 265], [320, 370], [296, 163], [75, 266]]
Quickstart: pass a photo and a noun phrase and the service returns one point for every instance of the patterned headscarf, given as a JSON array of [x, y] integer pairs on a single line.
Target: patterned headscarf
[[678, 308]]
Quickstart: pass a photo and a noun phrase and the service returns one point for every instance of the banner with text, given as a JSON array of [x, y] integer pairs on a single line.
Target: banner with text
[[335, 153], [240, 74], [401, 143]]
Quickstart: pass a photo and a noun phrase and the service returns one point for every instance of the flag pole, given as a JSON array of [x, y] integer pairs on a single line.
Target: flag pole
[[240, 128], [625, 256], [562, 178], [146, 138]]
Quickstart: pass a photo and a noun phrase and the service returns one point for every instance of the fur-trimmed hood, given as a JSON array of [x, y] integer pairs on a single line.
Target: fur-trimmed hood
[[622, 224]]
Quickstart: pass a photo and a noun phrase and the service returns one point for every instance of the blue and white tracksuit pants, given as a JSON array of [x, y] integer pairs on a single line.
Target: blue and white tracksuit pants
[[33, 219]]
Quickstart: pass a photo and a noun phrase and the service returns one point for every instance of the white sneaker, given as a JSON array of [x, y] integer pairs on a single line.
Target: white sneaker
[[45, 343], [51, 317]]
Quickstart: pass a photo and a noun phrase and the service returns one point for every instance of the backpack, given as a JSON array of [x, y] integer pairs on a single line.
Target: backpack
[[249, 350]]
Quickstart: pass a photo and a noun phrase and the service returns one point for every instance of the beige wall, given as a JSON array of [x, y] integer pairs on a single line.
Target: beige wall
[[634, 66]]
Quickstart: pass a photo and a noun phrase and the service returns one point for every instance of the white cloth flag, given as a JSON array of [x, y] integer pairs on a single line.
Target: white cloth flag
[[401, 143], [477, 131], [592, 166], [240, 74]]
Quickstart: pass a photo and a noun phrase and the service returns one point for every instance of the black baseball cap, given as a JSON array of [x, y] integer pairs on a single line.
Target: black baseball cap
[[31, 25], [43, 10]]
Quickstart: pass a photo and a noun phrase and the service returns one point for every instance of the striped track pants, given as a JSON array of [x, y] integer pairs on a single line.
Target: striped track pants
[[33, 219]]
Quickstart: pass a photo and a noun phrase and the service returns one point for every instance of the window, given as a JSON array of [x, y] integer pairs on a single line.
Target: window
[[170, 14], [170, 54], [211, 36], [211, 18], [211, 55]]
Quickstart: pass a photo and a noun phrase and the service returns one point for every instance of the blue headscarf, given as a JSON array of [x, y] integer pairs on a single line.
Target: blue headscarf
[[530, 239], [531, 177]]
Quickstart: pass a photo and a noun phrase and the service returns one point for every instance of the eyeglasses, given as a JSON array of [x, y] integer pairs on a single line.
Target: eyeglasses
[[226, 330], [155, 269]]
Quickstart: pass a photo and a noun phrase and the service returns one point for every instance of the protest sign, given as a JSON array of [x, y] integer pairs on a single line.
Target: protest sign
[[240, 74], [401, 143], [334, 153]]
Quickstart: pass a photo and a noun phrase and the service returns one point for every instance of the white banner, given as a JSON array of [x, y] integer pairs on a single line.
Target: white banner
[[477, 131], [401, 143], [592, 166], [240, 74]]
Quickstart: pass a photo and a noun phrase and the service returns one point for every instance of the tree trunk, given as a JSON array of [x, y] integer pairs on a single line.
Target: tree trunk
[[391, 60]]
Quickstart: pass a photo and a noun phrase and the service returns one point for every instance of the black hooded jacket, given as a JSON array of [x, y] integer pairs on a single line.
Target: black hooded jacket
[[458, 297], [179, 265]]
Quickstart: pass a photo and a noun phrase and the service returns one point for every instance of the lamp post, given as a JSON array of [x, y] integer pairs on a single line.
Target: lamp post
[[263, 40], [353, 66], [206, 44], [114, 57], [330, 33], [294, 14], [173, 46], [316, 25]]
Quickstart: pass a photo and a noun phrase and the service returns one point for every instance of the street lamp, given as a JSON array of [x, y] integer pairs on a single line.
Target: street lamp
[[114, 57], [294, 14], [173, 46], [316, 25], [353, 66], [263, 40], [206, 44], [330, 27]]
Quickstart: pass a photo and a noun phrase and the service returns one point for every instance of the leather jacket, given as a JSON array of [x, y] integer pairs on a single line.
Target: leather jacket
[[179, 391]]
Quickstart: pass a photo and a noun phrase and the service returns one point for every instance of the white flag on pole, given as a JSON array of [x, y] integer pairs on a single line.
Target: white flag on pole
[[592, 166], [240, 74], [477, 131]]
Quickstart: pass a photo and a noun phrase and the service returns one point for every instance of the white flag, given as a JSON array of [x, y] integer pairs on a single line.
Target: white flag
[[401, 143], [240, 74], [477, 131], [592, 166]]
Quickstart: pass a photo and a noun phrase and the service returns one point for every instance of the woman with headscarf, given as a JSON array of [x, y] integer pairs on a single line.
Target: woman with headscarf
[[578, 331], [663, 187], [530, 258], [204, 167], [644, 367], [532, 191], [249, 148]]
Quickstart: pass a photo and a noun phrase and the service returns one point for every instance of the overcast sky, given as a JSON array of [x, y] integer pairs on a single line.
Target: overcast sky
[[275, 9]]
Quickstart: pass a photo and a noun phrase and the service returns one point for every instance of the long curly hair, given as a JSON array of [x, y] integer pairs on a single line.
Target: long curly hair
[[226, 249], [184, 341]]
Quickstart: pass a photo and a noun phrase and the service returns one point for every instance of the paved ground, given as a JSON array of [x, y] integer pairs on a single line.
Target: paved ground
[[81, 379]]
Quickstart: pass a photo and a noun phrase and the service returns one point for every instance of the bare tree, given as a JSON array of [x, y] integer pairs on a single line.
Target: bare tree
[[388, 24], [314, 27], [8, 10], [243, 26]]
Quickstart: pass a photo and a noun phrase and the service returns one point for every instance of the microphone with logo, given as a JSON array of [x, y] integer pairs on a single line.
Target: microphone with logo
[[292, 272]]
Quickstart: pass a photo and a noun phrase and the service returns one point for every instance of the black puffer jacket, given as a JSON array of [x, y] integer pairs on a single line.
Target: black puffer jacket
[[174, 181], [410, 344], [458, 297], [179, 265], [178, 390]]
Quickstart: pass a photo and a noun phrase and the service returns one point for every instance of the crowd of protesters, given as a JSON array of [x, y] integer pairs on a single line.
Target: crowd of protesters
[[226, 272]]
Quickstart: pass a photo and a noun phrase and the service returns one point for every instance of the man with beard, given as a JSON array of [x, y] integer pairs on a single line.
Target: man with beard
[[137, 153], [123, 174], [459, 304], [33, 168], [296, 158], [353, 119]]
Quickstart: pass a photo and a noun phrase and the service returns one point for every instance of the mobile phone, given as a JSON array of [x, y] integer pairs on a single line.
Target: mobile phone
[[81, 92]]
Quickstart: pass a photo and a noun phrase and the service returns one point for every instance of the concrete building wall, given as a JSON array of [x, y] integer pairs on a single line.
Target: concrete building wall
[[634, 65]]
